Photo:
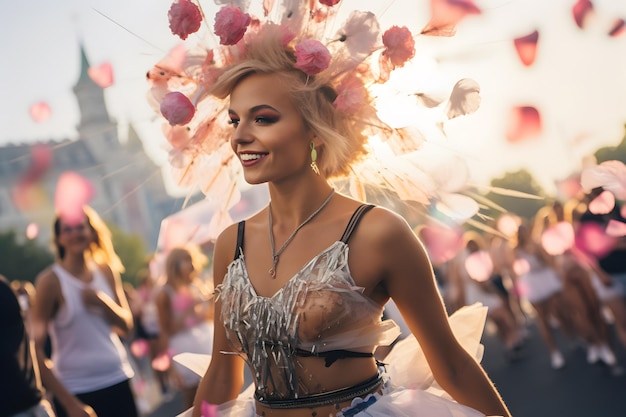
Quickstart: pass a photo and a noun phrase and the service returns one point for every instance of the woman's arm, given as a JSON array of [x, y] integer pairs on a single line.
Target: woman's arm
[[47, 301], [409, 280], [224, 377], [116, 309]]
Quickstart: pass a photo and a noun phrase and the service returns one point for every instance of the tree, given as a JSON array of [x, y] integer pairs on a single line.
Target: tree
[[519, 181], [131, 249], [22, 261], [609, 153]]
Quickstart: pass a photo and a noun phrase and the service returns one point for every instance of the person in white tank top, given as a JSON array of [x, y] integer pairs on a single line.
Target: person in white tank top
[[81, 305]]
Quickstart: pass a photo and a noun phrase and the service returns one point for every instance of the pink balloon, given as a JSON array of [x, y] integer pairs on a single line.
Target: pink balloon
[[102, 74], [40, 111], [558, 238], [479, 266], [603, 203], [524, 123], [72, 193]]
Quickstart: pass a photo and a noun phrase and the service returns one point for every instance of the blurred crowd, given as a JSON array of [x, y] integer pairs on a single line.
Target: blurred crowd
[[560, 271]]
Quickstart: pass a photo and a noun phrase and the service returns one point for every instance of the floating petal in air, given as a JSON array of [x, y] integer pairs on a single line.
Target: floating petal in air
[[558, 238], [72, 193], [40, 111], [610, 175], [616, 228], [617, 29], [524, 123], [443, 242], [582, 11], [102, 74], [479, 266], [446, 14], [603, 203], [526, 48], [464, 99], [32, 230]]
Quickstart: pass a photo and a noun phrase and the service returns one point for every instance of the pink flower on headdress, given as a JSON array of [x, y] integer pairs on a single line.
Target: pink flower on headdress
[[329, 3], [351, 95], [231, 24], [312, 57], [399, 45], [177, 108], [185, 18]]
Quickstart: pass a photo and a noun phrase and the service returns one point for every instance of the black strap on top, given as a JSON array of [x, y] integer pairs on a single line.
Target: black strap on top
[[241, 228], [350, 227], [354, 221], [331, 356]]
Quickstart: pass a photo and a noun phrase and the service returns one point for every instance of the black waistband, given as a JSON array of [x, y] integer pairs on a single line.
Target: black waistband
[[325, 398], [331, 356]]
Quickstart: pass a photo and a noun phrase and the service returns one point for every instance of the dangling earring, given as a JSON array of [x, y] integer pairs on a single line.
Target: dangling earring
[[314, 159]]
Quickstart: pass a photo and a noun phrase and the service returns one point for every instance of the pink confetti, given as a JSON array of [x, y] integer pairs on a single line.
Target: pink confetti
[[312, 57], [618, 28], [443, 243], [139, 348], [231, 24], [582, 11], [177, 108], [40, 111], [72, 193], [102, 74]]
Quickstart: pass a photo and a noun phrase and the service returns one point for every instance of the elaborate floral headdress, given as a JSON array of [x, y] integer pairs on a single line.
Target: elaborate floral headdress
[[356, 61]]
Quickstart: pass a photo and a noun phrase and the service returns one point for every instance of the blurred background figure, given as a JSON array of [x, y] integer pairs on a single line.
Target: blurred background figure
[[472, 272], [540, 285], [81, 303], [185, 316], [21, 392]]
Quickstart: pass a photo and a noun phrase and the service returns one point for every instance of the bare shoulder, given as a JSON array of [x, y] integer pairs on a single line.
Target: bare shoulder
[[47, 280], [384, 226]]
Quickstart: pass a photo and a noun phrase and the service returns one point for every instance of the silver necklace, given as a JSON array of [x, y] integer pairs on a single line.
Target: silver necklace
[[276, 254]]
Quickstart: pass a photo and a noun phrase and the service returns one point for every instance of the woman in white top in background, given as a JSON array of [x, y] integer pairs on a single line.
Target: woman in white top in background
[[80, 304]]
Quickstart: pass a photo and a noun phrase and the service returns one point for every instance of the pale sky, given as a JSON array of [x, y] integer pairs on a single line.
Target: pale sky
[[578, 81]]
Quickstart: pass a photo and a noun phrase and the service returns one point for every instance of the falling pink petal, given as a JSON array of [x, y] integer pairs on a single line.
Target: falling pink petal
[[139, 348], [610, 175], [508, 224], [162, 362], [208, 410], [446, 14], [32, 230], [558, 238], [102, 74], [464, 99], [582, 11], [569, 187], [40, 111], [479, 266], [593, 240], [526, 48], [521, 266], [72, 193], [443, 243], [524, 123], [618, 28], [616, 228], [603, 203]]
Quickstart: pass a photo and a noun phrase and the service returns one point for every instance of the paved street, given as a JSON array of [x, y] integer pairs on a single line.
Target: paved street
[[531, 388]]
